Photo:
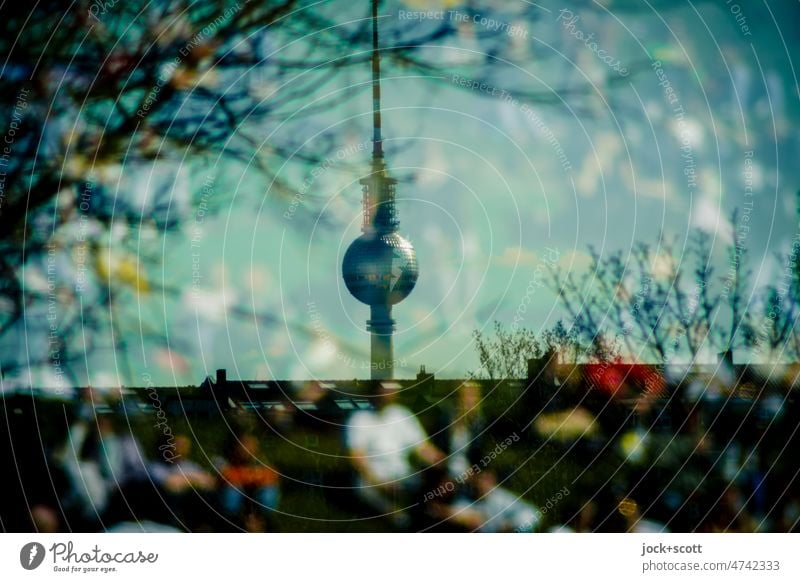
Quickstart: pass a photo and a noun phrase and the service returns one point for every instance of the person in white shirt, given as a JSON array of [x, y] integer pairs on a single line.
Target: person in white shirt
[[383, 445]]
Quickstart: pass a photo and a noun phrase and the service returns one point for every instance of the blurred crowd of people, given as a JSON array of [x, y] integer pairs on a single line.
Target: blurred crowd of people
[[706, 453], [107, 480], [701, 460]]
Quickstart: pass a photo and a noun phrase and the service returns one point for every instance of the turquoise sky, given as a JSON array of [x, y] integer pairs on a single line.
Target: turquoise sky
[[491, 189]]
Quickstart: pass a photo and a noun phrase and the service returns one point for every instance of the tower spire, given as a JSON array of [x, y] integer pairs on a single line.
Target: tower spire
[[377, 138]]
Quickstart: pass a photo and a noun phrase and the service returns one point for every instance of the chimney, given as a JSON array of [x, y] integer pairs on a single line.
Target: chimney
[[222, 377], [534, 368], [423, 375], [726, 357]]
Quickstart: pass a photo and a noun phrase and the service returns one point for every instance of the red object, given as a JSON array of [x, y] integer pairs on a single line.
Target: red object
[[250, 476], [623, 380]]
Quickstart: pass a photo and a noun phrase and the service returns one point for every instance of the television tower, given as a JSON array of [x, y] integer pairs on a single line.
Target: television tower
[[380, 267]]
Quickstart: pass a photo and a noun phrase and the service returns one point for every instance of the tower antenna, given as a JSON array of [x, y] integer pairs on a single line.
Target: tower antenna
[[377, 138]]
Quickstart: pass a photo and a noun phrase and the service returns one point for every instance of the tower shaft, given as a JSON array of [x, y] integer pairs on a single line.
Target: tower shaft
[[380, 212], [381, 326], [379, 217]]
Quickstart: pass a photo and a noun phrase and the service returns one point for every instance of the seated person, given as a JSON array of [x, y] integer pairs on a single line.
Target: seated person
[[382, 444], [500, 509], [186, 486], [447, 505], [244, 476], [174, 472], [460, 435], [98, 461]]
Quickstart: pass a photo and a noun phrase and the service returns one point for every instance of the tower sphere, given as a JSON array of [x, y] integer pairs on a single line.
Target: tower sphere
[[380, 269]]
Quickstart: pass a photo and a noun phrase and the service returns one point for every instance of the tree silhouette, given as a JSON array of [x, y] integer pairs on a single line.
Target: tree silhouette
[[655, 304]]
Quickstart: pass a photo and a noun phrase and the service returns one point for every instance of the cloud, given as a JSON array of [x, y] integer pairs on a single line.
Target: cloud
[[707, 216], [517, 256]]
